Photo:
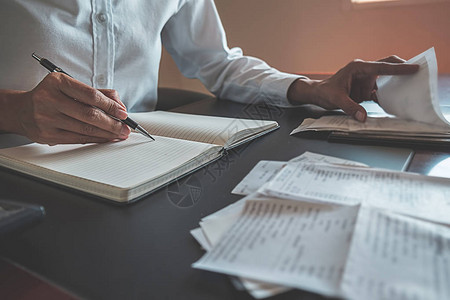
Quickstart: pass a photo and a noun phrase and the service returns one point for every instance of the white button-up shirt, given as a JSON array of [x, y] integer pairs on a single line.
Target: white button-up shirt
[[117, 44]]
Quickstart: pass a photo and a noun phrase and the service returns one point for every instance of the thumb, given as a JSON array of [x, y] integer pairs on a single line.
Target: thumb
[[353, 109]]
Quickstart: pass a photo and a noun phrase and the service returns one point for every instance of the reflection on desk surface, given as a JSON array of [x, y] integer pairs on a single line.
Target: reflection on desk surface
[[431, 163], [441, 169], [446, 111]]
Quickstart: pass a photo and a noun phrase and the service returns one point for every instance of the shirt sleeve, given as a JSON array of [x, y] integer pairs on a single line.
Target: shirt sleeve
[[196, 40]]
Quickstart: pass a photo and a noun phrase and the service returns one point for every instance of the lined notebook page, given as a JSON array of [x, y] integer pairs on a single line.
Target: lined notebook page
[[122, 164], [206, 129]]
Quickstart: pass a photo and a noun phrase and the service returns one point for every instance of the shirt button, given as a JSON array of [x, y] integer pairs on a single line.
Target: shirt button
[[101, 18], [101, 79]]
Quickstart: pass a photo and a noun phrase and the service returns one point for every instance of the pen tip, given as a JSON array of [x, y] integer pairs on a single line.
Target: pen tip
[[143, 132], [148, 135]]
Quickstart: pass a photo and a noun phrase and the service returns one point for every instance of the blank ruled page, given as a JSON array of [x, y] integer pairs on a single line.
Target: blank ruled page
[[205, 129]]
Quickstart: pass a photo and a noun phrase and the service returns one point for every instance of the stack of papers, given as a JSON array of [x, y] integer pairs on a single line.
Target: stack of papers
[[333, 227]]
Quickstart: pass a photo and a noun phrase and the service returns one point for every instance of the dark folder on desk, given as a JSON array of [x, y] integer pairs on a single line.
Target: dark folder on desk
[[378, 131], [389, 140]]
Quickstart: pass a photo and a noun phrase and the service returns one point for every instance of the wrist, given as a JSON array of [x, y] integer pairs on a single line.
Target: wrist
[[11, 102], [303, 91]]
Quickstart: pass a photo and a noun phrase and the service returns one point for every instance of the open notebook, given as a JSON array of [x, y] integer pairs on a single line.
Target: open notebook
[[127, 170]]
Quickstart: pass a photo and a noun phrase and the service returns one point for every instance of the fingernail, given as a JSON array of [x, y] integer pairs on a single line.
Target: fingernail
[[360, 116], [122, 114]]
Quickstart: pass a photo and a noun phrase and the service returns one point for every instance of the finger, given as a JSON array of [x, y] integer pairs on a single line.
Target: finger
[[361, 89], [90, 96], [352, 108], [73, 125], [67, 137], [114, 95], [382, 68], [91, 115], [392, 59]]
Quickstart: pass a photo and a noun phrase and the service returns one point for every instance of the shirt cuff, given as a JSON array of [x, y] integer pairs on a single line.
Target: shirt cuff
[[274, 89]]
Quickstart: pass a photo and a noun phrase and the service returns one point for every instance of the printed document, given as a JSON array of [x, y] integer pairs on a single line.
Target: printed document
[[302, 245], [397, 257], [407, 193], [356, 252], [414, 97], [265, 170]]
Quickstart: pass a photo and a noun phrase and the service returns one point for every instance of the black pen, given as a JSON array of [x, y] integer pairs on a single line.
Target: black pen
[[52, 68]]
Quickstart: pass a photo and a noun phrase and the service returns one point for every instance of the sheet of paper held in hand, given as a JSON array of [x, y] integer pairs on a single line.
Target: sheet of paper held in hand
[[412, 99], [408, 193]]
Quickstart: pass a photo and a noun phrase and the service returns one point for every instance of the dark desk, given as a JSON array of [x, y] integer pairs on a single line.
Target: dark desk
[[144, 251]]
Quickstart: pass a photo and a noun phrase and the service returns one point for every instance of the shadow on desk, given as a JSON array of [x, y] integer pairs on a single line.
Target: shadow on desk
[[17, 283]]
